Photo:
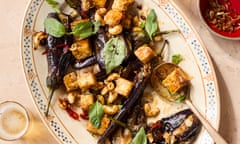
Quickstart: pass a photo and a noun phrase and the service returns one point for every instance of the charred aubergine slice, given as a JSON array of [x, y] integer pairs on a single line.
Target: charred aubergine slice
[[58, 57], [181, 127]]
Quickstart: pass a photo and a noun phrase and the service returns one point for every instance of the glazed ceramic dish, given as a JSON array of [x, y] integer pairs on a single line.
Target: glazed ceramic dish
[[197, 63], [233, 6]]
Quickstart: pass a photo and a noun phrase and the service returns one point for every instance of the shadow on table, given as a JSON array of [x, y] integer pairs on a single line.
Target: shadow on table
[[38, 133], [232, 47], [227, 119]]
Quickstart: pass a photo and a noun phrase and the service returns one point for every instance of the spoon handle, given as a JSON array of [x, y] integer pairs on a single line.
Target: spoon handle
[[212, 131]]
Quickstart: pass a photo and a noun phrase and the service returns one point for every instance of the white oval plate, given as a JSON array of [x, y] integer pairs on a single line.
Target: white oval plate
[[197, 63]]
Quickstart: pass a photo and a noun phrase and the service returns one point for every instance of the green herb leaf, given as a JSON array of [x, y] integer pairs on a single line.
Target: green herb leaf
[[122, 124], [177, 58], [54, 27], [114, 53], [86, 29], [96, 114], [54, 5], [140, 137], [120, 106], [151, 25], [180, 98], [142, 24]]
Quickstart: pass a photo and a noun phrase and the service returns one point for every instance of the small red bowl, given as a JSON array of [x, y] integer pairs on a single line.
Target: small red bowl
[[233, 7]]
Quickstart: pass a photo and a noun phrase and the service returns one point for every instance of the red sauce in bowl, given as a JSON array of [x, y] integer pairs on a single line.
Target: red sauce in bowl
[[222, 16]]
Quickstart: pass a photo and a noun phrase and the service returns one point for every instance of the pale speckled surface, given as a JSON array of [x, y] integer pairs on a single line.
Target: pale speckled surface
[[225, 55]]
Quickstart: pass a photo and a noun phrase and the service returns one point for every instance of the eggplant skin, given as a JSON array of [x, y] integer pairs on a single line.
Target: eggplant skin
[[173, 129], [192, 131], [57, 57], [174, 121], [101, 40]]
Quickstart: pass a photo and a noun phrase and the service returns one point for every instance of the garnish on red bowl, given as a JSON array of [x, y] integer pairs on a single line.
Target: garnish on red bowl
[[222, 17]]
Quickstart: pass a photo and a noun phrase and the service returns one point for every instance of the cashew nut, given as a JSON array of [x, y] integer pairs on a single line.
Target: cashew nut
[[113, 77], [110, 110], [99, 18], [104, 91], [39, 37], [112, 97], [62, 103], [158, 38], [151, 111], [136, 20], [101, 11], [101, 99], [136, 29], [110, 86], [115, 30]]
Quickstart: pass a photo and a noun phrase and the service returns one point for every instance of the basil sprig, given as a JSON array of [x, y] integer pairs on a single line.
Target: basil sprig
[[151, 25], [86, 29], [82, 29], [96, 114], [176, 58], [54, 27], [180, 98], [140, 137], [54, 5], [114, 53]]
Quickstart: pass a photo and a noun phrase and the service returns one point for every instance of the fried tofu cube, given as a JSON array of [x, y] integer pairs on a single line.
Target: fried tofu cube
[[122, 5], [144, 54], [81, 49], [99, 3], [86, 101], [176, 80], [113, 17], [72, 96], [123, 86], [70, 81], [86, 81], [99, 131]]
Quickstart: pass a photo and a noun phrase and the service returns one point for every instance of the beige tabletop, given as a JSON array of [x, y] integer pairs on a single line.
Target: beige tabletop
[[225, 55]]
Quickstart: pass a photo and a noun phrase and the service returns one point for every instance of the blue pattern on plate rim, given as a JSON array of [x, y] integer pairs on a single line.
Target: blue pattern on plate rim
[[34, 85], [211, 112], [56, 126]]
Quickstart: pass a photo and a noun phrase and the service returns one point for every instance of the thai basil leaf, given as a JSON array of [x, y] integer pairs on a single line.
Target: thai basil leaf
[[177, 58], [181, 98], [54, 27], [151, 25], [54, 5], [83, 29], [114, 53], [86, 29], [122, 124], [96, 114], [140, 137], [142, 24]]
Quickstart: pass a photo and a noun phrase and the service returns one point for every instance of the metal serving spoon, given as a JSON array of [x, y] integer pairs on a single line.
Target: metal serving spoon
[[159, 74]]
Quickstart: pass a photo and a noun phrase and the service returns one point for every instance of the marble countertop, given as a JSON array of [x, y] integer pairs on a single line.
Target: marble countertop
[[225, 55]]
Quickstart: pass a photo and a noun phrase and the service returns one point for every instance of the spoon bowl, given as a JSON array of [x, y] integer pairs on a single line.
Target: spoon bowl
[[160, 73]]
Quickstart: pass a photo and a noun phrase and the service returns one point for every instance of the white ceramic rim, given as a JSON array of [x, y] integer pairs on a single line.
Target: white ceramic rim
[[159, 3]]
